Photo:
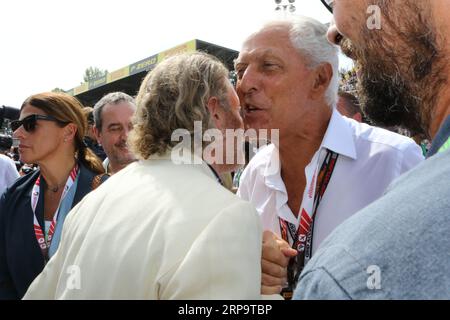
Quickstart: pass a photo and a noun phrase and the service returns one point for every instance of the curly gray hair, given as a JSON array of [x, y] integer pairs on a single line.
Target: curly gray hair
[[173, 96]]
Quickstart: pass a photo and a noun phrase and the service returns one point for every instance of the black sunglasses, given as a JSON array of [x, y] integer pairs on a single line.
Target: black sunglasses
[[328, 4], [29, 123]]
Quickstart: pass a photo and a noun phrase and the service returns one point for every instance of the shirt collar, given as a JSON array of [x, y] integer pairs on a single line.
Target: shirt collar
[[272, 174], [188, 158], [339, 136], [272, 179]]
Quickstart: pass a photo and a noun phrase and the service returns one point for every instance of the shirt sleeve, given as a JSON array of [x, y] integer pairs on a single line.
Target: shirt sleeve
[[318, 284], [224, 262], [11, 174], [8, 173], [412, 156]]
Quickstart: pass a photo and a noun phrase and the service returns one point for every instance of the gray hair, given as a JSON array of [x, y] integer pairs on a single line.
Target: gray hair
[[173, 96], [110, 98], [309, 36]]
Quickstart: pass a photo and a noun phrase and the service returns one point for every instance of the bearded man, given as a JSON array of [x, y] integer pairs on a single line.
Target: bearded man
[[397, 247]]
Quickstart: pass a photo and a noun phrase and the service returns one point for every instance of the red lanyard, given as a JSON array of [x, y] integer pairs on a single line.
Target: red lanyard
[[302, 237], [43, 241]]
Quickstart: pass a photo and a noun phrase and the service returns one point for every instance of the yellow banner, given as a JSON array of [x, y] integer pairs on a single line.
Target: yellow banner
[[81, 88], [185, 47], [97, 82], [118, 74], [143, 65]]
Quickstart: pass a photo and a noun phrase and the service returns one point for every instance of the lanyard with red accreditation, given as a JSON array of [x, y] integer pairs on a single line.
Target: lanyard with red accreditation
[[43, 240], [302, 236]]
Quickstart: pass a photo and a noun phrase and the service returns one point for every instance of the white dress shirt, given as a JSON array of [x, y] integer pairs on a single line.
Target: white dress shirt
[[8, 173], [370, 158]]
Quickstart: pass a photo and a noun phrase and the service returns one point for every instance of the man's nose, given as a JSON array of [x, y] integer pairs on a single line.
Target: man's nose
[[122, 134], [333, 35], [248, 82], [125, 132]]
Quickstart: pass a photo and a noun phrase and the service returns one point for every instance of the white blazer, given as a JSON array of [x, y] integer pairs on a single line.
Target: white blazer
[[156, 230]]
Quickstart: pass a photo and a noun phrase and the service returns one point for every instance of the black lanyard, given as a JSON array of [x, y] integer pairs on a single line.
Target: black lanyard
[[219, 180]]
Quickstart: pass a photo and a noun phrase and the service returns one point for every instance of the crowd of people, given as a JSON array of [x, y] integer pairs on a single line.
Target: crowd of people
[[121, 204]]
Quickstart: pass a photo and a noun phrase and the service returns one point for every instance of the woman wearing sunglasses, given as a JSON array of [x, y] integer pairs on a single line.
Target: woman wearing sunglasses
[[32, 212]]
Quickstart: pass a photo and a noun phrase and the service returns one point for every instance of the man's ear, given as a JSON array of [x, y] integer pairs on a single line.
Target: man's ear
[[358, 117], [323, 76], [214, 109], [96, 133]]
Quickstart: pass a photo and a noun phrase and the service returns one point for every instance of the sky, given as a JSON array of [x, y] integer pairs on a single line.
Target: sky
[[49, 43]]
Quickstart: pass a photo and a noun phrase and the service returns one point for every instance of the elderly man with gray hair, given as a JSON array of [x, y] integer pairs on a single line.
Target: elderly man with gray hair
[[329, 166], [160, 229], [112, 117]]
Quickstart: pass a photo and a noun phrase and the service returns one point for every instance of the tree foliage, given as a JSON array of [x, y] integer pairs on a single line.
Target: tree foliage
[[92, 73], [58, 90]]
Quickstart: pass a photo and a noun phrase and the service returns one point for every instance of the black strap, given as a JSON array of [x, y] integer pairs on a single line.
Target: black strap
[[219, 180]]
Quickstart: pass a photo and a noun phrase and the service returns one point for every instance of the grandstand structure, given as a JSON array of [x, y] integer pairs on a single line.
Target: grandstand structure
[[129, 78]]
